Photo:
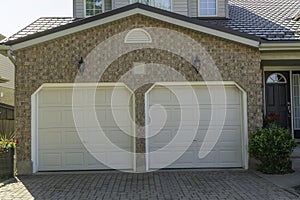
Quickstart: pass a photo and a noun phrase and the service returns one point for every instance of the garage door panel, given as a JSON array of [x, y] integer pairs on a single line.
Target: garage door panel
[[93, 137], [212, 158], [229, 116], [160, 96], [161, 136], [187, 158], [184, 97], [101, 113], [119, 116], [119, 159], [119, 138], [50, 138], [74, 159], [158, 160], [51, 98], [67, 117], [49, 118], [183, 113], [100, 97], [50, 159], [220, 138], [60, 145], [92, 161], [165, 136], [227, 136], [117, 96], [71, 138], [215, 94], [230, 157]]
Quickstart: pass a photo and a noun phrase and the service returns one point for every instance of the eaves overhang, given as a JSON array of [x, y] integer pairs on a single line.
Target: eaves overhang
[[130, 10], [293, 45]]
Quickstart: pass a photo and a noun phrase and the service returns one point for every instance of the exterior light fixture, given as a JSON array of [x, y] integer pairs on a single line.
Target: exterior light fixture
[[81, 66], [197, 64]]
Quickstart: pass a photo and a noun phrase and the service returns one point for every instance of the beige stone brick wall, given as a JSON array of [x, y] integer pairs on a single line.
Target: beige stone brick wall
[[56, 61]]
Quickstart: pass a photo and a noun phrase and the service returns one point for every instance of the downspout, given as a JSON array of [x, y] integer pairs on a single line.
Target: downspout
[[8, 52]]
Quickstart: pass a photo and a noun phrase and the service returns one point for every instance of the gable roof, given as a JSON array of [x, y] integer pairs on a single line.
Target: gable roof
[[132, 9], [254, 20]]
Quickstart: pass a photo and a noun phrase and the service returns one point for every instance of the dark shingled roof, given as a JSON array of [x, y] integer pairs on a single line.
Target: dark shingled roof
[[268, 19], [40, 25]]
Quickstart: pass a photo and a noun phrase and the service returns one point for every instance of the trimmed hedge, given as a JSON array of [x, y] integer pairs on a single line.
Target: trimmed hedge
[[272, 146]]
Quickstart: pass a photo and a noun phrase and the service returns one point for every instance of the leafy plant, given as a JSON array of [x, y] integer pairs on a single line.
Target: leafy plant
[[272, 146], [270, 119], [7, 143]]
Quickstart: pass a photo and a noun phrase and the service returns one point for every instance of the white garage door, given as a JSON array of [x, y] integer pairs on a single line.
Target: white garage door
[[165, 120], [60, 146]]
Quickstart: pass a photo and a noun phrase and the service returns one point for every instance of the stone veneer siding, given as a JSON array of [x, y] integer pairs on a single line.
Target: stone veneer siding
[[56, 61]]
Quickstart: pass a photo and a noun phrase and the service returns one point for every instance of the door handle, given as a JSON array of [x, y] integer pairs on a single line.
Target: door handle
[[289, 107]]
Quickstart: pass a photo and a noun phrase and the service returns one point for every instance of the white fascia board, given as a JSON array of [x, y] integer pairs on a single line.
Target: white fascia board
[[283, 46], [115, 17]]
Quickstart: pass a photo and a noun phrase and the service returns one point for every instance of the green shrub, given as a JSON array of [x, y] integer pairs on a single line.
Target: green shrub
[[272, 146]]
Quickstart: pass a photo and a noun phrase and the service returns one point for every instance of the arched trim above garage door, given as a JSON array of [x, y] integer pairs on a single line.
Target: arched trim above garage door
[[69, 86], [225, 84]]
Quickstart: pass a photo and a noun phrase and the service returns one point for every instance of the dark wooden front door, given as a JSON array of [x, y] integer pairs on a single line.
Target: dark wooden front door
[[277, 95]]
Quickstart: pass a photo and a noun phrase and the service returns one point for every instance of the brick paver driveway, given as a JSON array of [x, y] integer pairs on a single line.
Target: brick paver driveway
[[158, 185]]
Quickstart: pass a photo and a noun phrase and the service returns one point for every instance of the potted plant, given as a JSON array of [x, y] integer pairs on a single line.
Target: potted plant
[[7, 152]]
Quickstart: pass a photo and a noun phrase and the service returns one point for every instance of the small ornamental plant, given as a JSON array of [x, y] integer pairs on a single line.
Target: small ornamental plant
[[271, 118], [272, 146], [7, 143]]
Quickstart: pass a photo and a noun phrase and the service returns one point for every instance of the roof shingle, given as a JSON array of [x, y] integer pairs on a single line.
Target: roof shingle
[[268, 19], [40, 25]]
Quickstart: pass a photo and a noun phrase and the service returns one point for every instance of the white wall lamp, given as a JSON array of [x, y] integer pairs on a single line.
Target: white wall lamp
[[197, 64], [81, 66]]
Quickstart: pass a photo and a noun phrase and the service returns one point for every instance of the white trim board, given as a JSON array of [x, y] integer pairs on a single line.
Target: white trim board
[[132, 12], [284, 46], [285, 68]]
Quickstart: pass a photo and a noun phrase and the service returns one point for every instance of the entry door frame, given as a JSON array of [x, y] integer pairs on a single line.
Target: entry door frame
[[287, 77], [244, 114], [290, 69], [34, 116]]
